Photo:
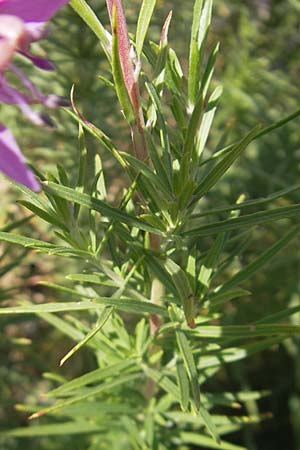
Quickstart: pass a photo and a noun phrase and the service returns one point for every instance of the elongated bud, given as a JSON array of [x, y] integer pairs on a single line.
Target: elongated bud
[[124, 51]]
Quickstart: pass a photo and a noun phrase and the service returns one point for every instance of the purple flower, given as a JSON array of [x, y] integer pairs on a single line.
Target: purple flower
[[12, 162], [21, 23]]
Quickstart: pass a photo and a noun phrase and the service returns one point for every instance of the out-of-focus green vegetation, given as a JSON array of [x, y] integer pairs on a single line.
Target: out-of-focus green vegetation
[[258, 66]]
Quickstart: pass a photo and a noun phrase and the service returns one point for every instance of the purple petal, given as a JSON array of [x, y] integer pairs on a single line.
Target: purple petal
[[31, 10], [13, 96], [12, 162], [54, 101], [36, 31], [12, 33], [41, 63]]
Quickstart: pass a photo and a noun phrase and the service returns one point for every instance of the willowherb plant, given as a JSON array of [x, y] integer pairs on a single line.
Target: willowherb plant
[[152, 275]]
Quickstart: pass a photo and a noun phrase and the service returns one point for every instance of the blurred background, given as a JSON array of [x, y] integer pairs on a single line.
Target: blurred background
[[258, 67]]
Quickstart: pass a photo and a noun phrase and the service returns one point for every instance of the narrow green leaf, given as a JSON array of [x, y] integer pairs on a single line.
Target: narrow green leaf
[[156, 160], [280, 315], [17, 223], [141, 333], [164, 136], [215, 300], [89, 17], [259, 134], [206, 441], [73, 427], [34, 197], [209, 263], [209, 70], [101, 322], [95, 376], [97, 205], [191, 135], [232, 354], [244, 331], [194, 51], [200, 26], [248, 220], [259, 262], [93, 278], [162, 57], [248, 203], [48, 217], [144, 19], [235, 399], [164, 382], [210, 425], [90, 392], [158, 268], [129, 305], [67, 290], [26, 242], [142, 168], [63, 326], [222, 166], [5, 268], [190, 366], [183, 383], [183, 288], [207, 120], [98, 134], [82, 169]]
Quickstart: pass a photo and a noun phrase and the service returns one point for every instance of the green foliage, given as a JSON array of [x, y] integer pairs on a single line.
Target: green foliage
[[151, 274]]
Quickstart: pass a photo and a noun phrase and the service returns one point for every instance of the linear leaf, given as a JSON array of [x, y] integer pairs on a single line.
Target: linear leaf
[[257, 218], [190, 366], [142, 168], [164, 136], [25, 241], [191, 135], [91, 392], [95, 376], [260, 133], [248, 203], [200, 26], [156, 160], [244, 331], [215, 300], [144, 19], [97, 205], [63, 326], [90, 18], [263, 259], [183, 288], [206, 441], [101, 322], [222, 166], [164, 382], [210, 425], [232, 354], [209, 263], [91, 278], [183, 383], [207, 120], [17, 223], [209, 70], [48, 217], [133, 306], [73, 427]]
